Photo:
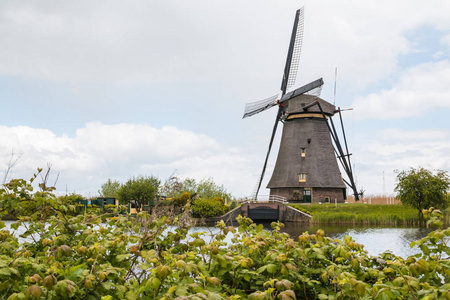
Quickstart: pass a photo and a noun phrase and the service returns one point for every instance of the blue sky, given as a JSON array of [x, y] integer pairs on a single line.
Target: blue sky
[[110, 90]]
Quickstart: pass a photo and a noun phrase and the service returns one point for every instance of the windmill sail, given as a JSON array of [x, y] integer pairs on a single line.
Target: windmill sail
[[274, 130], [307, 88], [315, 92], [295, 49], [306, 148], [289, 77], [316, 84], [253, 108]]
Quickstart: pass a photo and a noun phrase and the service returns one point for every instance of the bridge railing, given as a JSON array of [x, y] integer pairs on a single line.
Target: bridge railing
[[268, 198]]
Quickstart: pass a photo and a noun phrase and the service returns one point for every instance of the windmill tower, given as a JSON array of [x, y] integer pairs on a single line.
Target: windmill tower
[[307, 163]]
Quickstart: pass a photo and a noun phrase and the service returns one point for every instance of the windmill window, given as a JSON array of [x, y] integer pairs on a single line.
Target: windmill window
[[303, 152], [302, 177]]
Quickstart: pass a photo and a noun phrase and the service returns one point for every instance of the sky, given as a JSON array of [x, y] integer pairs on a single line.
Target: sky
[[112, 89]]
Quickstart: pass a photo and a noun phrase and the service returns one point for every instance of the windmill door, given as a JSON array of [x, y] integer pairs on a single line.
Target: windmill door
[[307, 196]]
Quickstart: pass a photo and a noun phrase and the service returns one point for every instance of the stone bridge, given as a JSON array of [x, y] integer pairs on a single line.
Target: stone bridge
[[265, 212]]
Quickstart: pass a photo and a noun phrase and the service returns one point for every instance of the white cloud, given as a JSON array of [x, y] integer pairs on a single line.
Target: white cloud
[[419, 89], [139, 42], [148, 42], [399, 149], [99, 152], [445, 41], [238, 45]]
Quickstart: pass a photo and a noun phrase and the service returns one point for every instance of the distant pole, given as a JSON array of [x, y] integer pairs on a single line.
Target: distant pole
[[335, 78], [335, 202]]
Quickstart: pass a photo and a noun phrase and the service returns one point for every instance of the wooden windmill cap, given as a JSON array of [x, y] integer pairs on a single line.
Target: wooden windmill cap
[[297, 106]]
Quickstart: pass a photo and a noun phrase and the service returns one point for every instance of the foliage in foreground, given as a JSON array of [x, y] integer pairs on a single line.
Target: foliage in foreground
[[359, 213], [78, 257]]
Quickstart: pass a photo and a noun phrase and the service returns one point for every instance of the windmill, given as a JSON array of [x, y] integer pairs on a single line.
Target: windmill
[[306, 165]]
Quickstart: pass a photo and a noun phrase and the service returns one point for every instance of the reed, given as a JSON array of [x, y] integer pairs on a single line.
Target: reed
[[375, 199], [362, 214]]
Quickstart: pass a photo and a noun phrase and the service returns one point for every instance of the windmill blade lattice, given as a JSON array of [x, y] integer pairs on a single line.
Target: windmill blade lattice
[[315, 92], [253, 108], [304, 131], [297, 50], [307, 88]]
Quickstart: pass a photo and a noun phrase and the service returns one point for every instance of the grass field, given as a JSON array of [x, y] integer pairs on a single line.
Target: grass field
[[362, 214]]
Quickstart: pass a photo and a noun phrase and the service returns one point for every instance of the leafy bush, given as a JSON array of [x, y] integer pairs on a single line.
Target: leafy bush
[[182, 200], [206, 208], [78, 257], [233, 204]]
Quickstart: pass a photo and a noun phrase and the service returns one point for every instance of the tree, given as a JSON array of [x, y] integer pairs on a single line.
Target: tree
[[420, 189], [172, 186], [139, 190], [109, 189], [208, 189], [189, 185]]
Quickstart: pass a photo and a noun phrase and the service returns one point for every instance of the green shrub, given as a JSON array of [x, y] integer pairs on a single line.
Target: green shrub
[[185, 197], [233, 204], [206, 208], [182, 200]]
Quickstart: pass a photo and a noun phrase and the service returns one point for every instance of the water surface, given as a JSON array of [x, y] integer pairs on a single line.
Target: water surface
[[376, 240]]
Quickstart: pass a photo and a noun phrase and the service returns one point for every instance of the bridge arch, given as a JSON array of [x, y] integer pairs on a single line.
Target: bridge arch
[[266, 212]]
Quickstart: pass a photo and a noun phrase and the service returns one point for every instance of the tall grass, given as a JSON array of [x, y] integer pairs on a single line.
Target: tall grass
[[362, 214]]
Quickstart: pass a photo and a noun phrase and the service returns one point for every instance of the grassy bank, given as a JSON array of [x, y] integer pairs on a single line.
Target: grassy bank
[[362, 214]]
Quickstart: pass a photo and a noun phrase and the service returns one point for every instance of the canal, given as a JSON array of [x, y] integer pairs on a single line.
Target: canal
[[375, 239]]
